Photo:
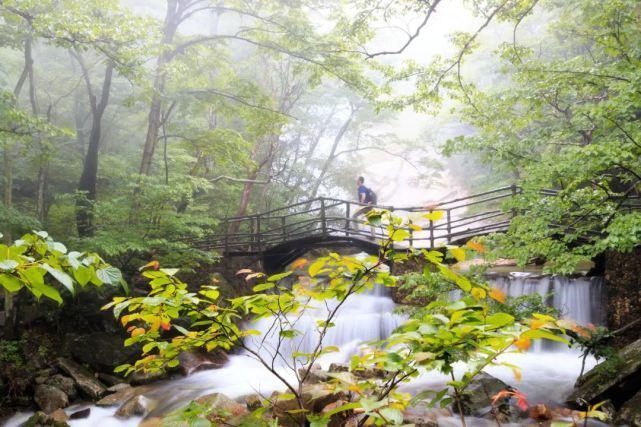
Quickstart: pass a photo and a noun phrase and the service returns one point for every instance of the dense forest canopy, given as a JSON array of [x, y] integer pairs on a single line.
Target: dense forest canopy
[[130, 127]]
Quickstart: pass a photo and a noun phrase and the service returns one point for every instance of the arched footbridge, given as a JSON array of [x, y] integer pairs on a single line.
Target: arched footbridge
[[281, 235]]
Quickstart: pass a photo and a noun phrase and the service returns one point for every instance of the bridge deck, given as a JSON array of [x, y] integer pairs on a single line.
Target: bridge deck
[[332, 220]]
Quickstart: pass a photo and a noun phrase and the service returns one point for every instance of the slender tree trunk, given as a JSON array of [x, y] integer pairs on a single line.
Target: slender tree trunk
[[330, 159], [88, 179], [9, 300], [172, 20]]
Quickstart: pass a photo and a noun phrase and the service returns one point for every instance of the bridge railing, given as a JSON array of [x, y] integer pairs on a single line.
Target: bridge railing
[[463, 217]]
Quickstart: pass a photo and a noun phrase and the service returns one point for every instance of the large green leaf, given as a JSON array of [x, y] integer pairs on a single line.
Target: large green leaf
[[62, 277], [109, 275]]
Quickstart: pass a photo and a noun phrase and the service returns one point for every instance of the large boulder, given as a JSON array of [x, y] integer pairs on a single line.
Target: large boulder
[[66, 384], [90, 386], [422, 415], [198, 360], [477, 399], [136, 406], [49, 398], [101, 351], [315, 398], [618, 379], [219, 407], [40, 419], [123, 395], [630, 412]]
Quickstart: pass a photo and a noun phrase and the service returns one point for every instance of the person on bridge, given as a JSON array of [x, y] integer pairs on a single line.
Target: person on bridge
[[366, 197]]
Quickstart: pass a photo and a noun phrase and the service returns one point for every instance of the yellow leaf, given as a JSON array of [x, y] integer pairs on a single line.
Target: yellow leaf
[[517, 374], [154, 265], [458, 254], [478, 293], [316, 267], [415, 227], [434, 216], [154, 324], [538, 323], [136, 332], [498, 295]]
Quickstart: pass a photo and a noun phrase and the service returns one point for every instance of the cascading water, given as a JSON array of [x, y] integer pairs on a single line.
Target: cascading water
[[547, 375]]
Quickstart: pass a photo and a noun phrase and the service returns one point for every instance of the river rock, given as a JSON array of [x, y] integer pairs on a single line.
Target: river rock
[[136, 406], [40, 419], [78, 415], [366, 374], [101, 351], [423, 416], [477, 399], [85, 381], [59, 415], [219, 403], [66, 384], [142, 378], [118, 387], [618, 382], [120, 397], [315, 398], [630, 412], [109, 380], [198, 360], [49, 398]]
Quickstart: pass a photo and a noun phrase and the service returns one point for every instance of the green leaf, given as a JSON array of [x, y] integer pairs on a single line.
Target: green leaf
[[109, 275], [263, 287], [499, 320], [48, 291], [83, 275], [10, 283], [277, 277], [8, 264], [62, 277], [543, 334], [392, 414]]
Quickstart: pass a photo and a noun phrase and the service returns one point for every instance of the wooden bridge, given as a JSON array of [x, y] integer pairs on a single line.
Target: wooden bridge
[[280, 235]]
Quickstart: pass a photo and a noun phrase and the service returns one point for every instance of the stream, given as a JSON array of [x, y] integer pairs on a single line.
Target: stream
[[548, 369]]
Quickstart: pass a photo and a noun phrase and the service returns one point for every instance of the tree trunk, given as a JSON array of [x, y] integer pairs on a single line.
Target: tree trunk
[[172, 19], [88, 179], [330, 158]]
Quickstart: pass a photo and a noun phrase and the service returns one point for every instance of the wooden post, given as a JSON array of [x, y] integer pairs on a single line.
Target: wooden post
[[347, 218], [431, 233], [252, 232], [449, 226], [258, 236], [226, 251], [323, 218], [514, 192], [411, 237], [282, 225]]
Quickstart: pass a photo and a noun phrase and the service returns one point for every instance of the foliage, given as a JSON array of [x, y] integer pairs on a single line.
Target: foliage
[[445, 333], [565, 119], [43, 266]]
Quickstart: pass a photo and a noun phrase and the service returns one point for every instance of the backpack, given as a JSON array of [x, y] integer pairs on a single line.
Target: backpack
[[371, 197]]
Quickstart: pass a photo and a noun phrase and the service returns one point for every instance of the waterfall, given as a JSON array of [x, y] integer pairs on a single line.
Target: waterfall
[[547, 375], [576, 298]]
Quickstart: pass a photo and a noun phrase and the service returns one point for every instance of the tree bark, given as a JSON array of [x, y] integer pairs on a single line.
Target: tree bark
[[88, 180], [332, 154], [172, 20]]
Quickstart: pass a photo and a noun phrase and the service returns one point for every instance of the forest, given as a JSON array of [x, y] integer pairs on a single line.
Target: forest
[[185, 241]]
